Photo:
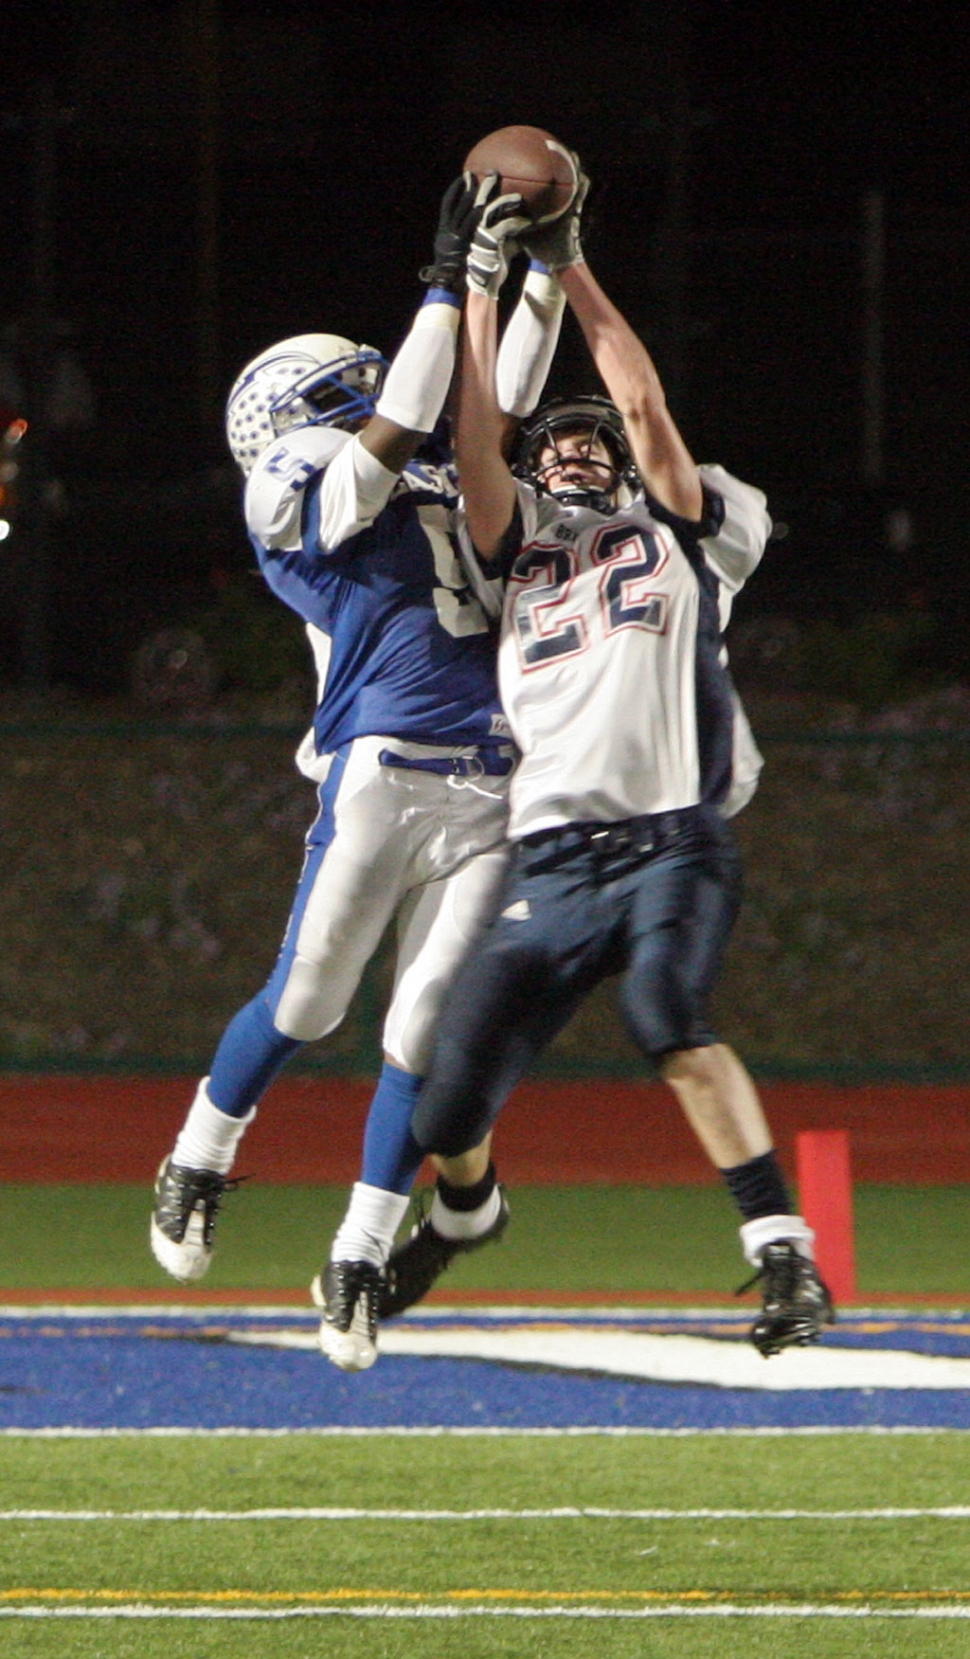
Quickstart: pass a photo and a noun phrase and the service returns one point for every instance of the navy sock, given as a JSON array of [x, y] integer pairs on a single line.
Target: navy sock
[[249, 1056], [467, 1198], [392, 1156], [758, 1187]]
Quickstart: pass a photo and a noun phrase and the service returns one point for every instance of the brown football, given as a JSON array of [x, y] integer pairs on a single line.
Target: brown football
[[532, 164]]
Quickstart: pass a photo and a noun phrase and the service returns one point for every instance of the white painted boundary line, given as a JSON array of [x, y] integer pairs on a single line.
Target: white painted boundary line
[[670, 1356], [437, 1432], [950, 1512], [674, 1610]]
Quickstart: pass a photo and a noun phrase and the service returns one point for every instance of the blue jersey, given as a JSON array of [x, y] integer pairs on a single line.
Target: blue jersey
[[370, 560]]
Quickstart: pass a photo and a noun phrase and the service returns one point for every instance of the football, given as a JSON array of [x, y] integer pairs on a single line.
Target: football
[[532, 164]]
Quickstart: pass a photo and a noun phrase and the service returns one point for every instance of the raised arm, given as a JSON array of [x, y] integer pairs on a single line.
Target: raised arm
[[487, 484], [529, 342], [420, 375], [624, 364], [663, 460]]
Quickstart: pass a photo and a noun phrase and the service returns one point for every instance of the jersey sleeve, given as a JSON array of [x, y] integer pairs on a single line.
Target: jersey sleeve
[[746, 761], [734, 550], [317, 477], [487, 577]]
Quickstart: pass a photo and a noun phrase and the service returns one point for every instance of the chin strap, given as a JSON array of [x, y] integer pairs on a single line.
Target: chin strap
[[599, 501]]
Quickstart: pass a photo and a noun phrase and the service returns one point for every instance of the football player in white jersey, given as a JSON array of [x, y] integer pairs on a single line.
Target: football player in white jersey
[[349, 502], [619, 558]]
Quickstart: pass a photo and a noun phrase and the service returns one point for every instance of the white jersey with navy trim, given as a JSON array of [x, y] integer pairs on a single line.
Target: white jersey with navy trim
[[368, 558], [612, 669]]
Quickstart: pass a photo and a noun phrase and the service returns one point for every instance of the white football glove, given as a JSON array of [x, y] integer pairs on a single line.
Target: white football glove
[[493, 244], [557, 245]]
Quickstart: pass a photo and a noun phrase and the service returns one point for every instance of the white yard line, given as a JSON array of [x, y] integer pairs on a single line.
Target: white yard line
[[460, 1432], [948, 1512], [390, 1610]]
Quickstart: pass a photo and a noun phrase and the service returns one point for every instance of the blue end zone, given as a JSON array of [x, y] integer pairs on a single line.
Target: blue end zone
[[219, 1369]]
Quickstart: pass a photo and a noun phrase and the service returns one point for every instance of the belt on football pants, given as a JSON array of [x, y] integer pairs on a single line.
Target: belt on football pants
[[483, 763], [625, 835]]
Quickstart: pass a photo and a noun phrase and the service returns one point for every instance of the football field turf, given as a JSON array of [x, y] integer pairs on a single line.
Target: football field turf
[[911, 1242], [198, 1481], [484, 1544]]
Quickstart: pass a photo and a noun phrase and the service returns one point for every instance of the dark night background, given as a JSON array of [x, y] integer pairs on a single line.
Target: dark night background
[[779, 204]]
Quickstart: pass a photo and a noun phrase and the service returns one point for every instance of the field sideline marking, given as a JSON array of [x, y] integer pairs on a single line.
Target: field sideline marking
[[436, 1431], [484, 1598], [388, 1610], [949, 1512]]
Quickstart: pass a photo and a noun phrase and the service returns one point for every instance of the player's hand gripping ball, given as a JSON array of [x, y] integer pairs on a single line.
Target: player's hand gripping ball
[[531, 164]]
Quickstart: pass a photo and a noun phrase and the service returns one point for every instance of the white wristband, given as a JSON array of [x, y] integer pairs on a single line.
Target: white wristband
[[418, 379]]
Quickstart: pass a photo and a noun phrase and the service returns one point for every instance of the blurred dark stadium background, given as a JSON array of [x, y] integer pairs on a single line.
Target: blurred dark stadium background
[[779, 204]]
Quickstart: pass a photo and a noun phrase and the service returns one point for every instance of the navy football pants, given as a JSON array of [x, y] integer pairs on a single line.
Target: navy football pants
[[653, 899]]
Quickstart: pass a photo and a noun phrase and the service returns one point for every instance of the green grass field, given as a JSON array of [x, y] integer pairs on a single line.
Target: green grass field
[[910, 1241], [753, 1545], [821, 1580]]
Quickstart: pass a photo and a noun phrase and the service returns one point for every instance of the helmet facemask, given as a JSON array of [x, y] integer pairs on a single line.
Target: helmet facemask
[[598, 420], [310, 380], [340, 393]]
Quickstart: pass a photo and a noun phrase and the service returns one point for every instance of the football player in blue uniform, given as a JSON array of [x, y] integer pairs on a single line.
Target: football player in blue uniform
[[349, 502], [619, 558]]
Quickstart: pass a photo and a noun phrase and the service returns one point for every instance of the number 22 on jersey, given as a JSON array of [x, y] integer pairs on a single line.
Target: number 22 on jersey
[[563, 597]]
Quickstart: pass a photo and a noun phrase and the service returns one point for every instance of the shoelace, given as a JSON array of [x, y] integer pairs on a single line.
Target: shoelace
[[215, 1188], [787, 1270]]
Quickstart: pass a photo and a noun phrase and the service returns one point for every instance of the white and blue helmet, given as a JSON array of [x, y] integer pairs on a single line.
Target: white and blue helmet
[[310, 380]]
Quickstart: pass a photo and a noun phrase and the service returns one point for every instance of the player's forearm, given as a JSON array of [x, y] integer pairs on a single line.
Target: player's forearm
[[630, 376], [486, 482], [529, 343], [417, 383], [621, 358]]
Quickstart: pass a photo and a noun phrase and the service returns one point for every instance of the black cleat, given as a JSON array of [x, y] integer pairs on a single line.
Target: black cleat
[[416, 1264], [186, 1205], [348, 1294], [795, 1302]]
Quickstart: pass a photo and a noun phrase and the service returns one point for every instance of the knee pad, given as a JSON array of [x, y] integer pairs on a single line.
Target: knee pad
[[450, 1119], [313, 1001], [661, 1015], [408, 1034]]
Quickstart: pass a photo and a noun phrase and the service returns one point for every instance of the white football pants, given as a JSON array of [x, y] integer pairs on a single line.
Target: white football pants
[[389, 842]]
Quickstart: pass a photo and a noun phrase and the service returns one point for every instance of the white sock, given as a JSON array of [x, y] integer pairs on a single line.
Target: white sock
[[368, 1228], [461, 1224], [209, 1138], [772, 1229]]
